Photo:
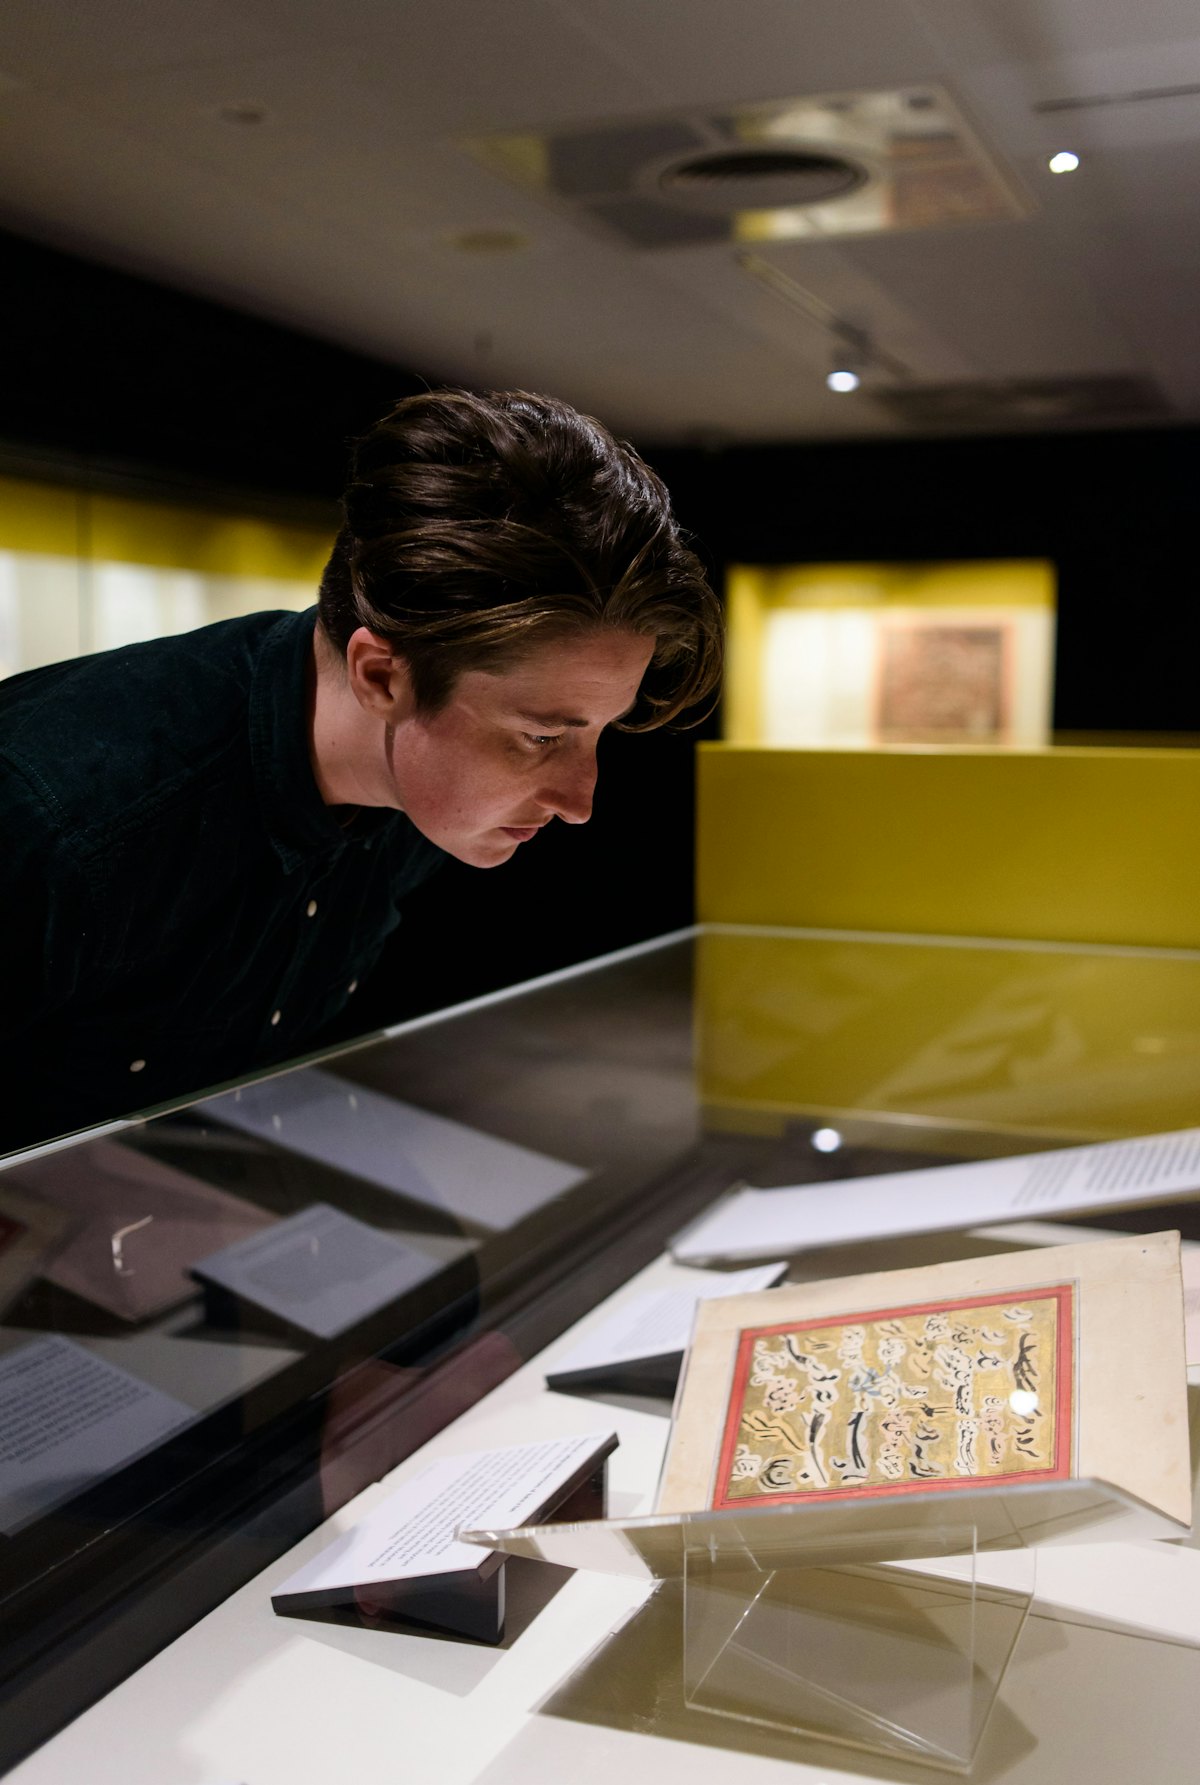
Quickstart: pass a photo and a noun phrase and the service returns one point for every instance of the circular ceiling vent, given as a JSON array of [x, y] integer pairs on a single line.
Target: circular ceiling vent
[[759, 179]]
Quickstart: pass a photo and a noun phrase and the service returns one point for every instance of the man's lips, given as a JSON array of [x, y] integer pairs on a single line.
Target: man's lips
[[521, 833]]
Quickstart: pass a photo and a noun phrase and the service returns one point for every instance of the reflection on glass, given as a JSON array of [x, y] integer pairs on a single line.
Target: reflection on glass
[[424, 1158]]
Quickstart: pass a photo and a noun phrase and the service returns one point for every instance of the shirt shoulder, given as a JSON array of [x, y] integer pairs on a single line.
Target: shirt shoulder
[[102, 740]]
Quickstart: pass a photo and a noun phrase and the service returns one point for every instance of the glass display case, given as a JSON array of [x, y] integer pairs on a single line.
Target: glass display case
[[223, 1318]]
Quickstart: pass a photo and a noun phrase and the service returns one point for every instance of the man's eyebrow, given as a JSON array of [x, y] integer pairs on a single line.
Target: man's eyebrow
[[551, 721], [563, 721]]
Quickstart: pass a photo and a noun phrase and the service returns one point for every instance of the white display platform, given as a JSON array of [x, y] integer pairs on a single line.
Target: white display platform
[[587, 1685]]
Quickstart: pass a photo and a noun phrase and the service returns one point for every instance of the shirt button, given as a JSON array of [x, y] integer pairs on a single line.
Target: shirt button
[[136, 1065], [353, 986], [275, 1016], [311, 907]]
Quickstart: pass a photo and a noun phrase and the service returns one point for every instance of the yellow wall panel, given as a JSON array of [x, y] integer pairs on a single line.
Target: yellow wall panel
[[40, 518], [1001, 582], [50, 519], [84, 571], [125, 531], [1077, 845], [745, 607]]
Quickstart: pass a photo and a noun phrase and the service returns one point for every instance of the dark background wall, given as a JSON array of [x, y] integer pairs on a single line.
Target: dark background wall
[[111, 378]]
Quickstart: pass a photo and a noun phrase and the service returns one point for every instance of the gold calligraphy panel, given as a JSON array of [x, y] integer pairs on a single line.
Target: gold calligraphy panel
[[940, 1395]]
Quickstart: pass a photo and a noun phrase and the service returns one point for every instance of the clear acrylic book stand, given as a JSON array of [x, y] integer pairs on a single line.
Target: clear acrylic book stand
[[899, 1658], [886, 1624]]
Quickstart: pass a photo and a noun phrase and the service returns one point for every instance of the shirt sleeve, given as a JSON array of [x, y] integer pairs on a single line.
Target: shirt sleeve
[[47, 926]]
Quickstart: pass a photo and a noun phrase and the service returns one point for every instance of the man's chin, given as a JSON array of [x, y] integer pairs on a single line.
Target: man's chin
[[491, 851]]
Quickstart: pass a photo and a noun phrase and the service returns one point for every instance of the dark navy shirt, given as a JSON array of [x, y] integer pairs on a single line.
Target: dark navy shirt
[[179, 904]]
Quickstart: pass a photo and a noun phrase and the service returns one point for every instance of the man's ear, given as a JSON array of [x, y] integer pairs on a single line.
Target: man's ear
[[378, 677]]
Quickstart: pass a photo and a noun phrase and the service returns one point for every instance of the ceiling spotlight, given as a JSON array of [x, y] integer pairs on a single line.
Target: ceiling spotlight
[[843, 380], [826, 1140], [851, 353], [1064, 162]]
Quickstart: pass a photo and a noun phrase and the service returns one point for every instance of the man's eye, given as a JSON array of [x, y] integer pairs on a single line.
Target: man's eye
[[538, 742]]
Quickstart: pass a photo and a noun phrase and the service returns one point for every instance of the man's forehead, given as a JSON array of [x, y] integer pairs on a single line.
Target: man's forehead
[[571, 684]]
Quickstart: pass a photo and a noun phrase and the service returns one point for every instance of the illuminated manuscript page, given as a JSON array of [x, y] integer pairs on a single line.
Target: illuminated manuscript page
[[1061, 1362]]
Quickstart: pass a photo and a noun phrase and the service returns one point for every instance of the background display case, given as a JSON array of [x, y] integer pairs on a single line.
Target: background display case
[[850, 655]]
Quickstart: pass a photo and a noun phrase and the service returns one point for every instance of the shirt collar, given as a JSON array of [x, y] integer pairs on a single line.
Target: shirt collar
[[298, 822]]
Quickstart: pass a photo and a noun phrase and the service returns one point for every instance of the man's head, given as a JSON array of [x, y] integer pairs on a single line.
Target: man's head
[[480, 525], [510, 581]]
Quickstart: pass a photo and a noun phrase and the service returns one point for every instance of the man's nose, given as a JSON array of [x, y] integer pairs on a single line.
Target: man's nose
[[569, 787]]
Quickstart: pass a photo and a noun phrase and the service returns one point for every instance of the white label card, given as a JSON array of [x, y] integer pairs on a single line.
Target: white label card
[[659, 1322], [68, 1418], [412, 1534], [1070, 1180]]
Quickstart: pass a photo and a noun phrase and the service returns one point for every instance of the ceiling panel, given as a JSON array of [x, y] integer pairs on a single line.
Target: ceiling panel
[[90, 39], [697, 51], [339, 209], [1016, 307], [1032, 31]]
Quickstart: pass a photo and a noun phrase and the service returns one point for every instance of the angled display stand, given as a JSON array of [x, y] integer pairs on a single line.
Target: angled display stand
[[893, 1660], [891, 1636], [845, 1455], [403, 1562]]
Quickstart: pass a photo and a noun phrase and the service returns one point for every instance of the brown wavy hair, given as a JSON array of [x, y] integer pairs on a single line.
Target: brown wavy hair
[[479, 525]]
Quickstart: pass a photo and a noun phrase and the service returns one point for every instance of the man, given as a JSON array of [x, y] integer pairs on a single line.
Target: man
[[208, 838]]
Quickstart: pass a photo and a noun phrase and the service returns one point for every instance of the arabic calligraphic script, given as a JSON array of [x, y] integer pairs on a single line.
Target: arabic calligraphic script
[[938, 1395]]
